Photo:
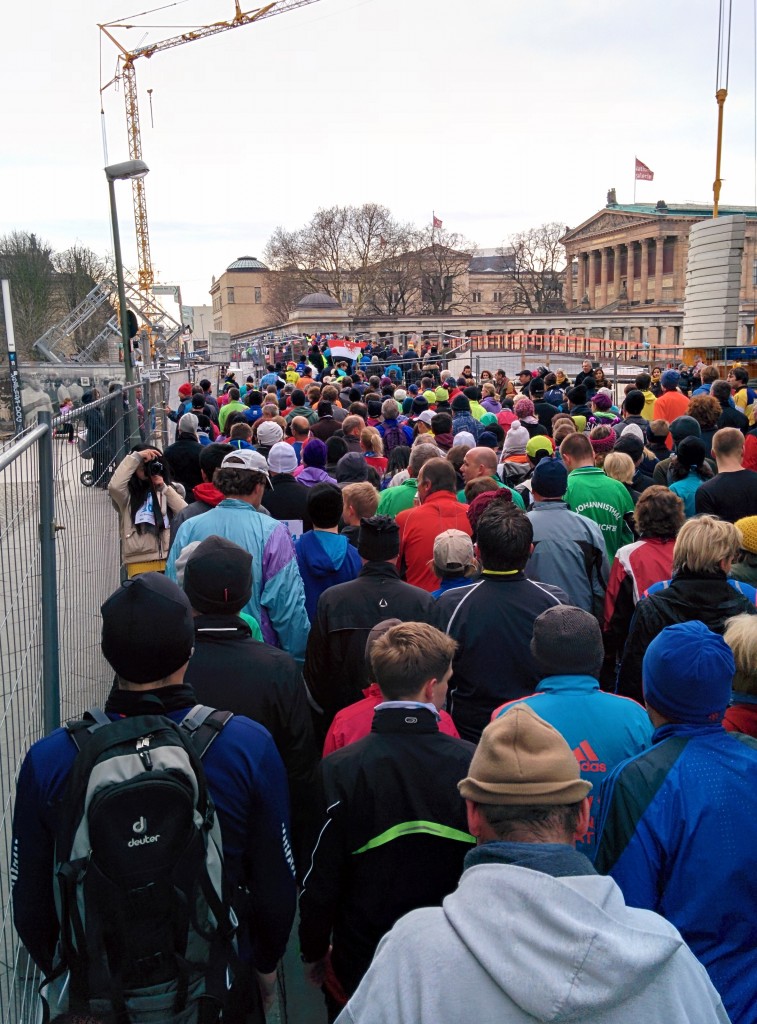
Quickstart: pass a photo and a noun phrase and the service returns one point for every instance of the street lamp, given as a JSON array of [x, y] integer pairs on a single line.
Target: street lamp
[[121, 172]]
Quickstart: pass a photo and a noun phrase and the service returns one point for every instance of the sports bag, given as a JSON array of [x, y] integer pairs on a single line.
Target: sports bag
[[146, 922]]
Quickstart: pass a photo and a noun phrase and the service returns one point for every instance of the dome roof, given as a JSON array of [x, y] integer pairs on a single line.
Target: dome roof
[[318, 300], [247, 263]]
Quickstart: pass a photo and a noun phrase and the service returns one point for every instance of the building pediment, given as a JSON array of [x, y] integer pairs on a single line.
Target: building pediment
[[606, 222]]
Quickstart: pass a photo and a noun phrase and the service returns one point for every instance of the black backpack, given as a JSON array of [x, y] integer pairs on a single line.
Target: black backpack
[[146, 923]]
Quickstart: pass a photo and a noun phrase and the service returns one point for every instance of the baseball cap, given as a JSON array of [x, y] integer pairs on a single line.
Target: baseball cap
[[453, 554], [426, 416], [246, 458], [147, 628], [282, 458], [188, 424]]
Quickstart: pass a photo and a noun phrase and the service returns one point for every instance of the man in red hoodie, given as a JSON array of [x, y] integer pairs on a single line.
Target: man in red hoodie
[[439, 510], [206, 494]]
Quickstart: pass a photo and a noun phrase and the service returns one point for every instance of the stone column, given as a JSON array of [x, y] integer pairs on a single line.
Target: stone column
[[630, 277], [659, 244], [644, 270], [567, 292], [581, 277], [618, 281], [592, 278], [603, 277]]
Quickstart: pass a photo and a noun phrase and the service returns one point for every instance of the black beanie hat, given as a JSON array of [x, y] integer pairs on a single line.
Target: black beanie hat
[[378, 539], [324, 504], [578, 395], [567, 641], [218, 577], [460, 404], [420, 404], [148, 630], [374, 408], [691, 452]]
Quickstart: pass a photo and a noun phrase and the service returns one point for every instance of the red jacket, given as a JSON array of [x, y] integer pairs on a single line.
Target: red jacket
[[354, 722], [419, 528], [749, 460]]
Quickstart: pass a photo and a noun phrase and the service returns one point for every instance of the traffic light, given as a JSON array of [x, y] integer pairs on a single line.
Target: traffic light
[[131, 320]]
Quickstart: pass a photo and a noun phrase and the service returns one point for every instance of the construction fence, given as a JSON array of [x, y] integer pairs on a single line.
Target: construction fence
[[59, 561]]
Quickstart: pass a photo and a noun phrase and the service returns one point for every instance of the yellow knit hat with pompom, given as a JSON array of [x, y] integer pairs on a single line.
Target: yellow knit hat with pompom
[[748, 527]]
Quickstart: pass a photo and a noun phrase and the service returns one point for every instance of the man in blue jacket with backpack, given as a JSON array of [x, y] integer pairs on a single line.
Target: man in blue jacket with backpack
[[97, 829]]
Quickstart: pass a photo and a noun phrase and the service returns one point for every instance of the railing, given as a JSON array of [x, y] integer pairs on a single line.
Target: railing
[[59, 561]]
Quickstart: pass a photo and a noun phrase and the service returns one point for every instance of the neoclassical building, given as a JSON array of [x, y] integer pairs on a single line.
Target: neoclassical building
[[634, 256]]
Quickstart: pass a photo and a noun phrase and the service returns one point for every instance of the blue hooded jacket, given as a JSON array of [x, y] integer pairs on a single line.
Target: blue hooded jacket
[[324, 560]]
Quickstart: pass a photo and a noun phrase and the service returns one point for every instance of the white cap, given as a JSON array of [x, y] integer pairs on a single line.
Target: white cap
[[246, 458], [426, 416]]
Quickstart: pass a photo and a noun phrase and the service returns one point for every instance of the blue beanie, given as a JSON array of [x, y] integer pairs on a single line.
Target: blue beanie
[[670, 379], [687, 674]]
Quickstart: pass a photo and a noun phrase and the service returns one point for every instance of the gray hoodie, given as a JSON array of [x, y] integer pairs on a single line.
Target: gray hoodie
[[512, 945]]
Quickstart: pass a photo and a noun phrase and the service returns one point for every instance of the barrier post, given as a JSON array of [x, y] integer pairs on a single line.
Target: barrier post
[[50, 663]]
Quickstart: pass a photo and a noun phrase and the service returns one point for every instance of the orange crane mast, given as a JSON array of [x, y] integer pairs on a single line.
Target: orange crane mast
[[125, 73]]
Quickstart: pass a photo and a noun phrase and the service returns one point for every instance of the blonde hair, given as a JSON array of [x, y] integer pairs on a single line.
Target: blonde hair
[[619, 466], [704, 542], [488, 389], [371, 440], [407, 656], [363, 498], [741, 636]]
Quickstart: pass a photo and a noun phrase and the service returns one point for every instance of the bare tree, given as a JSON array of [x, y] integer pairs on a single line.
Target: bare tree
[[537, 259], [442, 261], [79, 269], [26, 261], [364, 257], [284, 290]]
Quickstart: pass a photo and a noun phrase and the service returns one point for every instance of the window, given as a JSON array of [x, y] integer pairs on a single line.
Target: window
[[754, 272], [475, 296], [229, 295], [218, 325], [258, 295], [217, 304], [346, 296], [498, 297]]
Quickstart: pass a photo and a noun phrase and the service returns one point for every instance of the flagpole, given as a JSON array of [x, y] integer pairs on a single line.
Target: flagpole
[[634, 181]]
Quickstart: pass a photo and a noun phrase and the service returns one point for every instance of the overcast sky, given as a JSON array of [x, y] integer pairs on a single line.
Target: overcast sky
[[498, 115]]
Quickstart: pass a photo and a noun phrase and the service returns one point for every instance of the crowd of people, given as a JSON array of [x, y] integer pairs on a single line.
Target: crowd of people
[[491, 653]]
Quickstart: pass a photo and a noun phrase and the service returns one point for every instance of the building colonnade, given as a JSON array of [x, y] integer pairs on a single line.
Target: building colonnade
[[634, 271]]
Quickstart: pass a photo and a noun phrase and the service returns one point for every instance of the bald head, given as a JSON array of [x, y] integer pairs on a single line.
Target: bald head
[[300, 426], [478, 462]]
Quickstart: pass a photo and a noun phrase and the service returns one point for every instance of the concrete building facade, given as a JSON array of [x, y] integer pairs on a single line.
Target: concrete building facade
[[633, 257]]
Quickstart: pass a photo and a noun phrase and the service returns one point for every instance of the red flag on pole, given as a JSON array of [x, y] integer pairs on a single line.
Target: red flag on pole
[[643, 173], [436, 222]]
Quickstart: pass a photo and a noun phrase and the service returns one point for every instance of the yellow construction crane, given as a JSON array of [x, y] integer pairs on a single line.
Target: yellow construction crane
[[125, 73]]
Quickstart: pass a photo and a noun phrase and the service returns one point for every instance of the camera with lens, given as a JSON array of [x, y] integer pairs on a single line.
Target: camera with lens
[[154, 468]]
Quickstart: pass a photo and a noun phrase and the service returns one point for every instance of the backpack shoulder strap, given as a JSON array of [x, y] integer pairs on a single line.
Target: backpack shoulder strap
[[80, 730], [204, 725]]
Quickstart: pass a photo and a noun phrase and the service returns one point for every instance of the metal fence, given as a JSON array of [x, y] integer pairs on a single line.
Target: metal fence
[[59, 561]]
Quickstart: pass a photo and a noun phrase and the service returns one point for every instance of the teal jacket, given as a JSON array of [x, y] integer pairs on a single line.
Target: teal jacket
[[278, 594]]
